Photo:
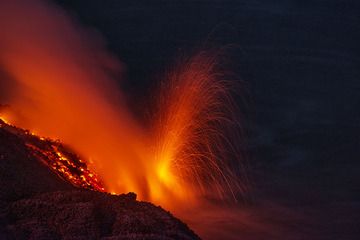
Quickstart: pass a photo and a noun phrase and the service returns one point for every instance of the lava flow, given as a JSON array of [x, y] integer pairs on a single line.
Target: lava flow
[[63, 86], [58, 158]]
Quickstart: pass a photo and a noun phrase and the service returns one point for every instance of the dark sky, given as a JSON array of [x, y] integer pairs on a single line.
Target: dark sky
[[299, 62]]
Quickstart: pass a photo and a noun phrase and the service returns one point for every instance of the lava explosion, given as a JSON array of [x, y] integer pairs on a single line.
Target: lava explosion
[[63, 86], [195, 130]]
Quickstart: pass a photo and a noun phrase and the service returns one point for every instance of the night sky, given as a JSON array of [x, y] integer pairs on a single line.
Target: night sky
[[298, 64]]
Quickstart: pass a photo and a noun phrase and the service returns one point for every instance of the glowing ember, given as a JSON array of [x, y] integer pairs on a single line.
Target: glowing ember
[[53, 154]]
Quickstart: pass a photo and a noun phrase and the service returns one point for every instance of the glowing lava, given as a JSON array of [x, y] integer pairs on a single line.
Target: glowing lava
[[65, 89], [58, 158], [197, 132]]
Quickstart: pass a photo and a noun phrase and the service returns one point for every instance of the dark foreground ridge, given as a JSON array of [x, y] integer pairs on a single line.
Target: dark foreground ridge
[[35, 203]]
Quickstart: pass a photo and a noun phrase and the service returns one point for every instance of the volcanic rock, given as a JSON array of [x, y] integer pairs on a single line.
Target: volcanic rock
[[35, 203]]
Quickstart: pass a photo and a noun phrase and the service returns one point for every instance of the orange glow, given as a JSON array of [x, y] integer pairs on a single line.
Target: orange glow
[[196, 130], [66, 90], [4, 120], [58, 158]]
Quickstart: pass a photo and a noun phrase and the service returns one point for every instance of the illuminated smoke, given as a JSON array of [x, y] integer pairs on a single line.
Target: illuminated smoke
[[65, 89]]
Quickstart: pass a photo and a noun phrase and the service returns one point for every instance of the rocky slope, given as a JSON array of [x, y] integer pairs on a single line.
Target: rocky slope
[[35, 203]]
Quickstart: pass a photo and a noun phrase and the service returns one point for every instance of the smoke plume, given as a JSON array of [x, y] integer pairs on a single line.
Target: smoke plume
[[63, 86]]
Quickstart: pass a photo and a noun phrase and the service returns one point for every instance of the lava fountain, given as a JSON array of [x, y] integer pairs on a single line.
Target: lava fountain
[[63, 86], [197, 132]]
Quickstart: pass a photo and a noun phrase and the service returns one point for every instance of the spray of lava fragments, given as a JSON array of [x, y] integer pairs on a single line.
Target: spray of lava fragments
[[61, 85]]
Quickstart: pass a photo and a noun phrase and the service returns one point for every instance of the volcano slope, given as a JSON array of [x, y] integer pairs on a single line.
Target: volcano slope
[[36, 203]]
